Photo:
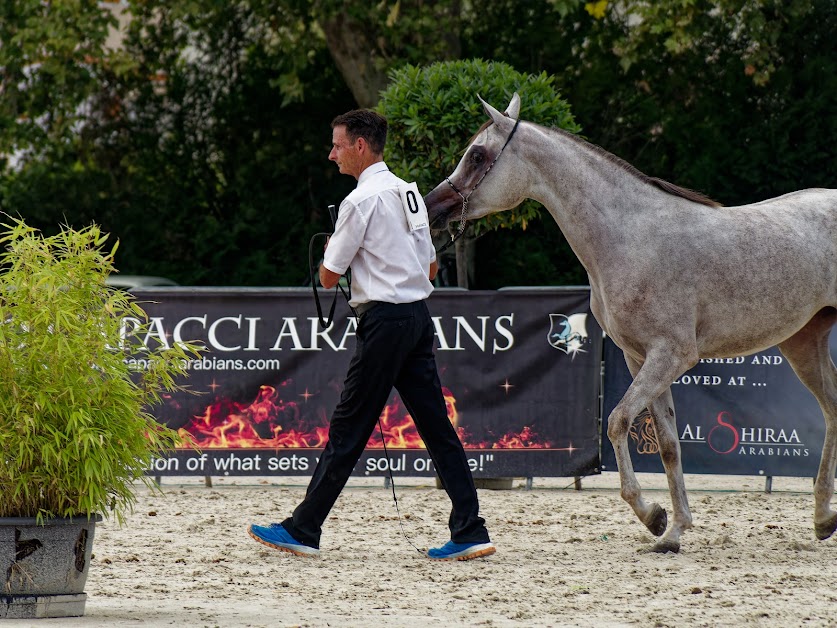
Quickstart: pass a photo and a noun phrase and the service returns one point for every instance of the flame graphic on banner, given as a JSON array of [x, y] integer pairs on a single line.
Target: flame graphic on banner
[[227, 424]]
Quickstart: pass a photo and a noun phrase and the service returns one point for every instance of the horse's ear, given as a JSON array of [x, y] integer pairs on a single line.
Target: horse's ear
[[513, 110], [491, 111]]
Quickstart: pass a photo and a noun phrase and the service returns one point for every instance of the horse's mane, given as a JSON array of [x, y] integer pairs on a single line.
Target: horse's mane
[[665, 186]]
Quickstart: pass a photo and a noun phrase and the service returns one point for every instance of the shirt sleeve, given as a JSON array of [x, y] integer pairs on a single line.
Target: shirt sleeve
[[347, 239], [427, 247]]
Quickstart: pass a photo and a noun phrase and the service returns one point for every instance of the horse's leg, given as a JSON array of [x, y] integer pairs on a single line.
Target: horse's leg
[[665, 427], [665, 424], [650, 389], [807, 352]]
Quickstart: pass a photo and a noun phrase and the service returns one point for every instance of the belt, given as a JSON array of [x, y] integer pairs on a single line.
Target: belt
[[363, 308]]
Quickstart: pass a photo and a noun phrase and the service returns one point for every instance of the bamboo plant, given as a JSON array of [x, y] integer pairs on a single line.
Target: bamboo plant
[[76, 434]]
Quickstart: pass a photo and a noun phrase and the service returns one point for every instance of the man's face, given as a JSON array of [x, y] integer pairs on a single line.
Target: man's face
[[344, 152]]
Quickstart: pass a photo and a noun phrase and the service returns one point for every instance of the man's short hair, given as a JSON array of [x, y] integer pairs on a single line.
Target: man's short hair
[[367, 124]]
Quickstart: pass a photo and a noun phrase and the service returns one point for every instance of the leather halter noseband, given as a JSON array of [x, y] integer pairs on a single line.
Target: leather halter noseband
[[462, 219]]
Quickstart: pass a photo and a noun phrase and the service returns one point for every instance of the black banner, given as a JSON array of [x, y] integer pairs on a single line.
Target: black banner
[[520, 370], [739, 416]]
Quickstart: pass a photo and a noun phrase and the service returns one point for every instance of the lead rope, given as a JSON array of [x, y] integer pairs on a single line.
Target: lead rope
[[454, 238], [461, 220], [461, 230], [394, 497], [325, 323]]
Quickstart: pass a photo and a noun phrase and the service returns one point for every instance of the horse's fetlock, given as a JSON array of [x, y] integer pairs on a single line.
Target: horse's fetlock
[[629, 494], [656, 520], [825, 528]]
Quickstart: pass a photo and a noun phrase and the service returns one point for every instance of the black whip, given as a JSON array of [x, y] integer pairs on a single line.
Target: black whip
[[325, 322]]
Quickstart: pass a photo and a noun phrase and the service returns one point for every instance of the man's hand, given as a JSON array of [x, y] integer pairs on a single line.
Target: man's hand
[[434, 268], [328, 279]]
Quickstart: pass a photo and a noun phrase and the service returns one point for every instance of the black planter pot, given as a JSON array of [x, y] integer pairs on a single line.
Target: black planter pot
[[44, 567]]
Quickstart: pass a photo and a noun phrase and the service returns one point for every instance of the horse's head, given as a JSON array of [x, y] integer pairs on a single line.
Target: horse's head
[[485, 193]]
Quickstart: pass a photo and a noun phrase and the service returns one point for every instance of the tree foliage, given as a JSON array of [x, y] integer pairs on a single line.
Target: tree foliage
[[224, 155], [202, 143], [56, 86], [208, 170], [368, 39], [51, 56], [739, 103], [749, 30], [734, 98], [433, 110]]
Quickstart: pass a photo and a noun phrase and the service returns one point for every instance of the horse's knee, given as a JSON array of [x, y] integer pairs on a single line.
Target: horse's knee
[[617, 427]]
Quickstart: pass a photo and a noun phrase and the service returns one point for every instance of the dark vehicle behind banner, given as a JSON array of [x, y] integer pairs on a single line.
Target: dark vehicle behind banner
[[520, 369]]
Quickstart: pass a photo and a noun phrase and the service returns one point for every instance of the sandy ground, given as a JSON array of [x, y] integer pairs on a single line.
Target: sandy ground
[[564, 558]]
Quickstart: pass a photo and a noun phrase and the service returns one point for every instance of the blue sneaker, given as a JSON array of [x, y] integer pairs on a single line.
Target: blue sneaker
[[461, 551], [277, 537]]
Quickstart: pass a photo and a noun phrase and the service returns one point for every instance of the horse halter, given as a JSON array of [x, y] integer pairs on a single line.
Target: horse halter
[[465, 198]]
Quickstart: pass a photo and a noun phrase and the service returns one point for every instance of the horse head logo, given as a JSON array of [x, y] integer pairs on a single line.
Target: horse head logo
[[567, 333], [644, 435]]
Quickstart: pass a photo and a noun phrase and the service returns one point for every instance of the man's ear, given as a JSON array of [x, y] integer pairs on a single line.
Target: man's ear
[[361, 144]]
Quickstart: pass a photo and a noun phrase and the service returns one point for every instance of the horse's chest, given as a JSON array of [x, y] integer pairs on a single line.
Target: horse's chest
[[623, 315], [621, 303]]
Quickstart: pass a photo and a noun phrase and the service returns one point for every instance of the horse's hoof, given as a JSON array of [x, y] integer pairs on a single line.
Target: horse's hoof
[[658, 521], [664, 547], [825, 530]]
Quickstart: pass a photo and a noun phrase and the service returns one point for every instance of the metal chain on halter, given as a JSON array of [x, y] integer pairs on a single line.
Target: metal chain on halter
[[463, 215]]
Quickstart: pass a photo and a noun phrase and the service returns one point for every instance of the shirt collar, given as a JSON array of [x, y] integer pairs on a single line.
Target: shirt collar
[[378, 166]]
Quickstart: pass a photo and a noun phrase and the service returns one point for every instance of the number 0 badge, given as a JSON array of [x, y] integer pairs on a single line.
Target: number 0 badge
[[414, 207]]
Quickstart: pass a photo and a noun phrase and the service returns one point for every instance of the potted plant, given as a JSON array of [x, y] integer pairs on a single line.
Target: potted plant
[[75, 431]]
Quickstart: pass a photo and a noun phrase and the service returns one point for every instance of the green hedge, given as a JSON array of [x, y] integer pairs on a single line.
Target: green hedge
[[434, 110]]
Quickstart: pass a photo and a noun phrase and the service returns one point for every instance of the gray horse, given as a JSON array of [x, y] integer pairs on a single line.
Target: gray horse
[[674, 277]]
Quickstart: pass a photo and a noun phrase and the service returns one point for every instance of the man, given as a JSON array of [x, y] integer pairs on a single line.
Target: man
[[393, 262]]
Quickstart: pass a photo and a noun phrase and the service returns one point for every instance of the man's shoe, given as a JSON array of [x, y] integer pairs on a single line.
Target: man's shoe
[[461, 551], [277, 537]]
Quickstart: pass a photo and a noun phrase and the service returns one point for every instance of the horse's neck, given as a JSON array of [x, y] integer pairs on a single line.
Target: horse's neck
[[590, 198]]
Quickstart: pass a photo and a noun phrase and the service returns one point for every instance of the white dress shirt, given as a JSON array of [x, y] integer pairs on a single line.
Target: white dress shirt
[[389, 262]]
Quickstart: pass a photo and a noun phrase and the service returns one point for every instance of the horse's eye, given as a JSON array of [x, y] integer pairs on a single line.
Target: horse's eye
[[477, 157]]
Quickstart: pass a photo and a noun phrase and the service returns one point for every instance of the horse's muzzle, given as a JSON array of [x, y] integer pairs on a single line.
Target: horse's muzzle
[[441, 202]]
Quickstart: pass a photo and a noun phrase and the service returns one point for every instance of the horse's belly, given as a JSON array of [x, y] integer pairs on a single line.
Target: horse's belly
[[752, 299], [728, 332], [737, 345], [719, 323], [724, 297]]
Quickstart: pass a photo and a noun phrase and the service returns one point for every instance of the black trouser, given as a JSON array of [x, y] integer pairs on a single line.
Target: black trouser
[[394, 348]]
